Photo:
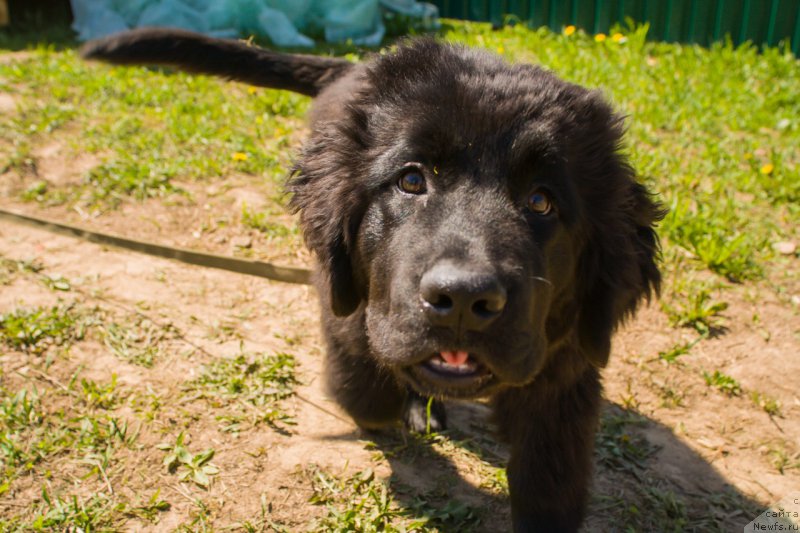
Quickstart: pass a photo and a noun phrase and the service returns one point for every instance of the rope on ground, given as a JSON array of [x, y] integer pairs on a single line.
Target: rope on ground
[[260, 269]]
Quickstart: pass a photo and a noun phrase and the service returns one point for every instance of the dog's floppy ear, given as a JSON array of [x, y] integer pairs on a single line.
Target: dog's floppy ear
[[327, 193], [336, 265], [618, 263], [620, 268], [329, 220]]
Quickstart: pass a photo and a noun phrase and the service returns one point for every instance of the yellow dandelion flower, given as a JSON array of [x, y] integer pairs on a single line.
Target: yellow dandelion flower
[[239, 156], [600, 37], [569, 30], [252, 90], [767, 169], [500, 49], [617, 37]]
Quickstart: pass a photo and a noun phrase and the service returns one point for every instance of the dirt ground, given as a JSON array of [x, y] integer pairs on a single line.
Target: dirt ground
[[713, 453], [672, 451]]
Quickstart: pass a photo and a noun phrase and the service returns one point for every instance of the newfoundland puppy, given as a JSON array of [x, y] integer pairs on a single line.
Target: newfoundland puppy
[[478, 234]]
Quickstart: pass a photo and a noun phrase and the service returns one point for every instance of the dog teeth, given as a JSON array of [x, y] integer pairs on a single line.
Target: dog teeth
[[465, 368]]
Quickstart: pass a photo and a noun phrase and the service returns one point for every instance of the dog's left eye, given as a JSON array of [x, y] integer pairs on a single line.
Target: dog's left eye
[[539, 202], [412, 183]]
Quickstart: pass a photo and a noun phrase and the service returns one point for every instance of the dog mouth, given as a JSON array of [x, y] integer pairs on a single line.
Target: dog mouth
[[453, 364], [453, 373]]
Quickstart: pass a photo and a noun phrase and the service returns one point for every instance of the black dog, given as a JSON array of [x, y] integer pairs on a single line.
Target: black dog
[[478, 234]]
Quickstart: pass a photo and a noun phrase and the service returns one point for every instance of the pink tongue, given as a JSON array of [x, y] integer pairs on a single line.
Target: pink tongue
[[455, 358]]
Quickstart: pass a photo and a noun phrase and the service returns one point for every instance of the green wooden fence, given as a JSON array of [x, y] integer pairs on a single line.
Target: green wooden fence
[[694, 21]]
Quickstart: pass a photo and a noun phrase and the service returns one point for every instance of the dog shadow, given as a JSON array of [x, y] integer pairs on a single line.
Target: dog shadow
[[646, 479]]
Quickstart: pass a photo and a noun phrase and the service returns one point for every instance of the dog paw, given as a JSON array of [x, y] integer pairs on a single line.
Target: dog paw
[[416, 415]]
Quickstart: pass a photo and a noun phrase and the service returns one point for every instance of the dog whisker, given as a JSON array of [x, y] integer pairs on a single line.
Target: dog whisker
[[543, 280]]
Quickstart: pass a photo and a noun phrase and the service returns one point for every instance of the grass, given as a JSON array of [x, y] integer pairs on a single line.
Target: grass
[[723, 383], [361, 502], [696, 310], [251, 386], [35, 330], [10, 268], [137, 340], [195, 467], [714, 131], [715, 241], [367, 504], [263, 222], [766, 403], [151, 144], [618, 445], [685, 131], [673, 354], [39, 431]]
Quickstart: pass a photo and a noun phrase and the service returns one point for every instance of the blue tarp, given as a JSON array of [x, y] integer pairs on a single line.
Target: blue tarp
[[283, 21]]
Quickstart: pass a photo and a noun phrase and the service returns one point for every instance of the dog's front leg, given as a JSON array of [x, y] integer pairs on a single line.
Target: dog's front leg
[[551, 432]]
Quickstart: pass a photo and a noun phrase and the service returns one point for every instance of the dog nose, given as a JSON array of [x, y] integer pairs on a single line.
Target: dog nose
[[461, 298]]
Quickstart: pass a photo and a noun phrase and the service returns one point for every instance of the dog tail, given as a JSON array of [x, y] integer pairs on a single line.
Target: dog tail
[[227, 58]]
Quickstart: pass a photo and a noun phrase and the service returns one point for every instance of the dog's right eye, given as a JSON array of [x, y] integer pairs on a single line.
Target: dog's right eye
[[412, 183]]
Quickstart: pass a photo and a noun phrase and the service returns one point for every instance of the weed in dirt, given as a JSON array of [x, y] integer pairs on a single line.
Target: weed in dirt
[[361, 502], [262, 523], [262, 221], [650, 504], [665, 509], [671, 397], [496, 481], [200, 519], [35, 430], [98, 395], [56, 283], [766, 403], [710, 237], [110, 184], [224, 329], [782, 457], [19, 413], [435, 507], [35, 330], [36, 191], [150, 509], [673, 354], [10, 268], [138, 341], [358, 503], [698, 312], [145, 403], [252, 385], [617, 444], [723, 383], [451, 515], [189, 466], [97, 512]]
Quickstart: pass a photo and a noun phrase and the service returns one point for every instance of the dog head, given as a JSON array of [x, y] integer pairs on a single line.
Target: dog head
[[476, 215]]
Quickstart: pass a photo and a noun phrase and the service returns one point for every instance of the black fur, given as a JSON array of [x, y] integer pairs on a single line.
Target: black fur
[[231, 59], [534, 298]]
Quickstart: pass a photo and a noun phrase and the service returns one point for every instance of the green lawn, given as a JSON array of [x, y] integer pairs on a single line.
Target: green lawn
[[715, 132]]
